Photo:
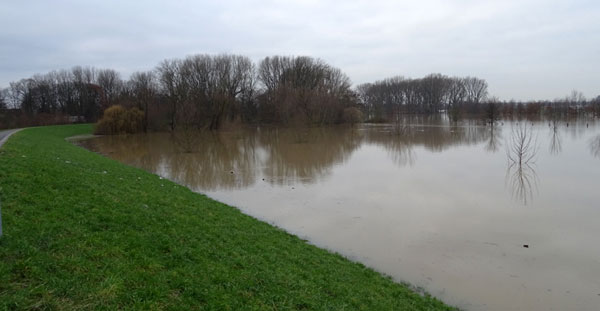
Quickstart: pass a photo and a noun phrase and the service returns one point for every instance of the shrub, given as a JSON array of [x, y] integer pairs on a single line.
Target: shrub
[[118, 120], [352, 115]]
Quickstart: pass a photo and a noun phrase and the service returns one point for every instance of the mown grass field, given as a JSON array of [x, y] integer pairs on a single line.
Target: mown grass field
[[85, 232]]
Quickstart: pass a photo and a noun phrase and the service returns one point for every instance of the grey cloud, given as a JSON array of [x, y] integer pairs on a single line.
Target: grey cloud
[[525, 49]]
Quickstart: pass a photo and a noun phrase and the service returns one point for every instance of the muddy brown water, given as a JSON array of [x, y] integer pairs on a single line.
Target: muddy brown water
[[502, 218]]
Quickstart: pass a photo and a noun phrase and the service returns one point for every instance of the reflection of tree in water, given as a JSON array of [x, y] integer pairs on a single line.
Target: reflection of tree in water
[[223, 161], [305, 154], [187, 139], [237, 159], [494, 141], [521, 153], [401, 152], [131, 149], [595, 146], [400, 146], [233, 160], [555, 140], [440, 138]]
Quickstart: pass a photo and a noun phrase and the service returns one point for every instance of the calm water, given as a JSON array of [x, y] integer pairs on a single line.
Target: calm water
[[447, 208]]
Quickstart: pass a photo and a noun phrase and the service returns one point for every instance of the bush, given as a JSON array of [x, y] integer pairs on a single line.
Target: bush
[[118, 120], [352, 115]]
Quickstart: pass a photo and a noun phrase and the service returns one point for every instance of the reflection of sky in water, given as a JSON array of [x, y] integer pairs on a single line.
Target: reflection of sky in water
[[435, 206]]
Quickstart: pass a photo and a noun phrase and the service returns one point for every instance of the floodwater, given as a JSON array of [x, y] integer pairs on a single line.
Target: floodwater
[[484, 218]]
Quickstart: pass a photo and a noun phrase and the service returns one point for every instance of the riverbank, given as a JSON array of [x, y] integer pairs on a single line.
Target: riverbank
[[85, 232]]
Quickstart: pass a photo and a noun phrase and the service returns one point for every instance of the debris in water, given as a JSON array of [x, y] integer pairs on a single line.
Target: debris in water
[[230, 172], [526, 245]]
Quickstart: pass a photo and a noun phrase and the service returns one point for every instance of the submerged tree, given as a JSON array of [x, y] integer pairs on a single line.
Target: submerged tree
[[384, 100], [302, 90], [457, 93], [521, 153], [142, 90], [555, 140], [595, 103], [207, 90], [492, 111]]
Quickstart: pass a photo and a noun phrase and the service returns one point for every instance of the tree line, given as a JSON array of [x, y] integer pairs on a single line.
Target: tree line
[[214, 91], [199, 91], [387, 99]]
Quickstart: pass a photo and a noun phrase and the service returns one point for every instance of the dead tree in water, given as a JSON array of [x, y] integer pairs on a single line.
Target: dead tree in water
[[555, 142], [523, 146], [521, 153]]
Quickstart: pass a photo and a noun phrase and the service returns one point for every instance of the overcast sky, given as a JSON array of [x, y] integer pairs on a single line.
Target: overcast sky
[[524, 49]]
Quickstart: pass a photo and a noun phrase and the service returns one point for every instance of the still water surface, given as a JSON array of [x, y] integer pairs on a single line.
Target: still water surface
[[484, 218]]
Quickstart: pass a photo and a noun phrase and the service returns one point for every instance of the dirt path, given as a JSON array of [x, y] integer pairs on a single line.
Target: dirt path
[[4, 135]]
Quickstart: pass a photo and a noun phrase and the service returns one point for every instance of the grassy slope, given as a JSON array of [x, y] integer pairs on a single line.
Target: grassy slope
[[85, 232]]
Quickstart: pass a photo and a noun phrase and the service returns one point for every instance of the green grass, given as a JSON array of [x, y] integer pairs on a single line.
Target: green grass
[[85, 232]]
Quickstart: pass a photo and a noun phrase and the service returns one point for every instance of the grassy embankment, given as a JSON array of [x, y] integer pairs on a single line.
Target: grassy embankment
[[85, 232]]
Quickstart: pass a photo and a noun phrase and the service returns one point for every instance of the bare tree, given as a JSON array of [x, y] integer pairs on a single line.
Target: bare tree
[[596, 105], [476, 89], [173, 87], [112, 85], [521, 153], [575, 98], [388, 98], [143, 89], [4, 98], [457, 94], [216, 86], [16, 94], [302, 90], [66, 94], [492, 110], [434, 89], [555, 141], [88, 94]]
